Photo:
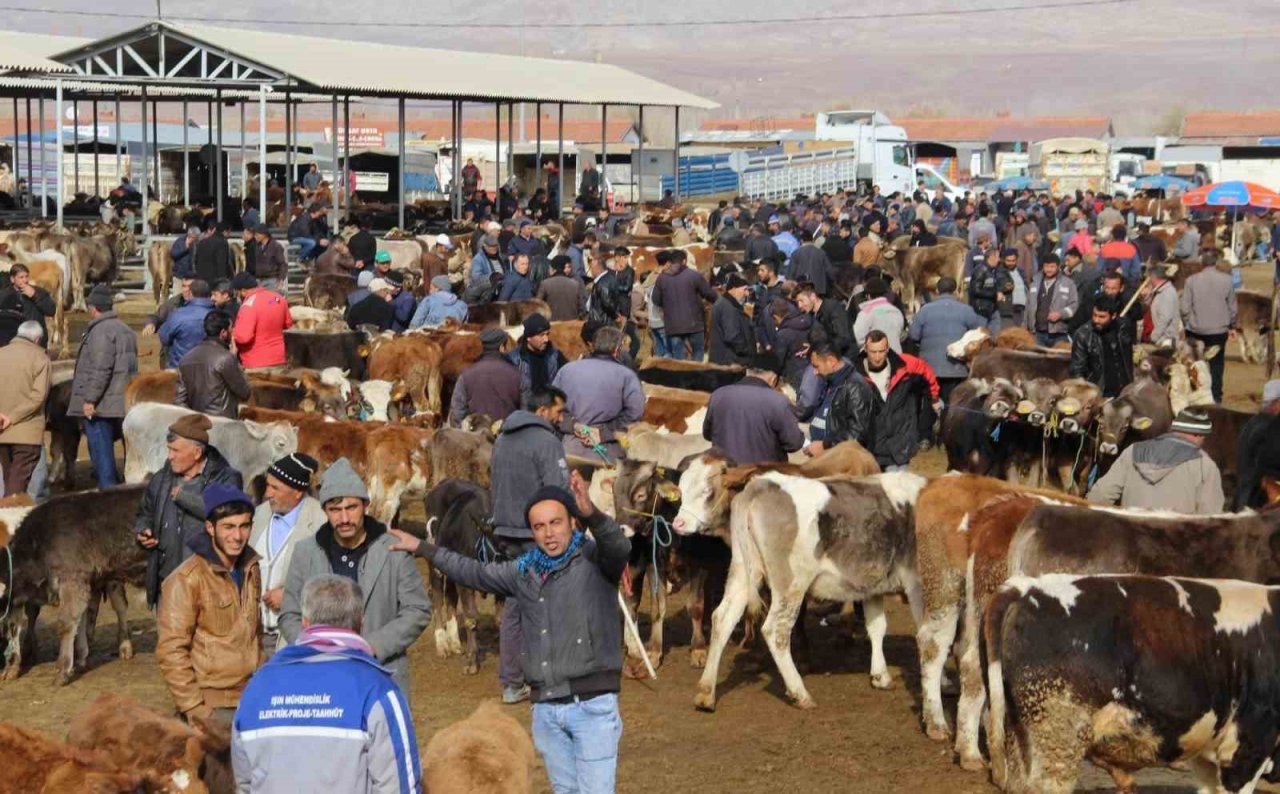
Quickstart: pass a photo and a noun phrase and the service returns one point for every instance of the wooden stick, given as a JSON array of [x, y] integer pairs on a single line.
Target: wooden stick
[[635, 635]]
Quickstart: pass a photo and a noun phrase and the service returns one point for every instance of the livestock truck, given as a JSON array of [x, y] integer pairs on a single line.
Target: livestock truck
[[1071, 164]]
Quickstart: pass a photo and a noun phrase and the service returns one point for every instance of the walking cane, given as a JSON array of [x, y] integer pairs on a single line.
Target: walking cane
[[635, 635]]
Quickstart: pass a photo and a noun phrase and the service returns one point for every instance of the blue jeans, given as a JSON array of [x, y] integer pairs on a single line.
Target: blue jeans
[[659, 342], [100, 435], [578, 742], [675, 345], [305, 245], [1049, 340], [38, 488]]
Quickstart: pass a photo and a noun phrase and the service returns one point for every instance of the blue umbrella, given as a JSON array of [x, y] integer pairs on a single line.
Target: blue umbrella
[[1018, 183], [1162, 182]]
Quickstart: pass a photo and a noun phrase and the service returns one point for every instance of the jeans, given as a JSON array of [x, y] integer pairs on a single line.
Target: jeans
[[100, 434], [510, 638], [306, 246], [676, 342], [1046, 339], [1217, 364], [578, 742], [659, 342], [38, 488]]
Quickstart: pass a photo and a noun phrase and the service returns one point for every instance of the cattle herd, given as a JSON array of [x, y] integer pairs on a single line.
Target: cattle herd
[[1130, 638]]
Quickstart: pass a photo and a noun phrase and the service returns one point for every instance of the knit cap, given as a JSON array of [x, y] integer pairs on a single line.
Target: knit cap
[[340, 481]]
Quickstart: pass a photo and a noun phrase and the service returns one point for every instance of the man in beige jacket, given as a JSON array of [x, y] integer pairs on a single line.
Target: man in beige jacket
[[23, 393], [288, 515]]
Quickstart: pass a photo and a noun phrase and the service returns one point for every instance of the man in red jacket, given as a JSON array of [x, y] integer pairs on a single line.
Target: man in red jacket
[[908, 399], [260, 325]]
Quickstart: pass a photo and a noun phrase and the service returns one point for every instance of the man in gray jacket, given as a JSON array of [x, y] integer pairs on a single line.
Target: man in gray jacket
[[357, 546], [1051, 303], [527, 456], [567, 589], [107, 361], [940, 322], [1186, 246], [603, 397], [1170, 472], [1209, 313], [1166, 324]]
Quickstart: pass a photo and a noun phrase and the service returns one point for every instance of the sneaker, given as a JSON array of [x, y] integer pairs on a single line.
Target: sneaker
[[512, 695]]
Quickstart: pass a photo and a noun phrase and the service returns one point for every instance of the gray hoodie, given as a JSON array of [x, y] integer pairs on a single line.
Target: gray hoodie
[[526, 456], [1165, 473]]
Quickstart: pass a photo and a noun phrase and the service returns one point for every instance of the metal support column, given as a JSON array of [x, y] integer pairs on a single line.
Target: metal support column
[[537, 146], [333, 179], [143, 156], [44, 181], [97, 186], [637, 180], [288, 159], [17, 144], [400, 167], [455, 176], [31, 177], [75, 126], [560, 161], [58, 166], [346, 152], [262, 153], [186, 159], [677, 153], [155, 146], [244, 159], [117, 125], [217, 165], [604, 155], [497, 151], [511, 140]]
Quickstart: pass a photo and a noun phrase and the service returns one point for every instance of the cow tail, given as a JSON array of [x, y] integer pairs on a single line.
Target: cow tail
[[745, 553], [990, 649]]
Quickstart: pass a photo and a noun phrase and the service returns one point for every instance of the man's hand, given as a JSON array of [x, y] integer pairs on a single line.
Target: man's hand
[[273, 598], [1055, 316], [29, 291], [148, 329], [90, 410], [5, 422], [201, 713], [404, 541], [588, 435], [814, 449], [937, 406], [579, 488], [147, 540]]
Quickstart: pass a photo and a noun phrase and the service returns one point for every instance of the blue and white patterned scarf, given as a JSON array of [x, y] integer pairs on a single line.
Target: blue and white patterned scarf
[[536, 559]]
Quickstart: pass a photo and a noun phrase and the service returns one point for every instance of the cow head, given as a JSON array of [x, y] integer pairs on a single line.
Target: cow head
[[705, 494], [327, 392], [1002, 398], [383, 401], [639, 488], [1078, 406], [967, 347], [1039, 396]]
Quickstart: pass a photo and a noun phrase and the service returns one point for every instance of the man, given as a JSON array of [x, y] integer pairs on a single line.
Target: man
[[577, 254], [733, 339], [288, 515], [846, 409], [249, 217], [1151, 249], [750, 421], [1088, 281], [208, 627], [566, 589], [23, 395], [1171, 472], [985, 282], [435, 262], [785, 240], [332, 663], [1026, 245], [1187, 246], [181, 251], [470, 177], [485, 265], [524, 242], [810, 263], [363, 246], [36, 302], [768, 288], [224, 300], [356, 545], [516, 284], [269, 263], [490, 385], [1051, 303], [210, 379], [977, 255], [679, 292], [982, 227], [184, 329], [211, 261], [441, 304], [589, 187], [1162, 299], [304, 232], [538, 360], [729, 236], [1114, 286], [374, 309], [106, 362], [1102, 351], [837, 247], [1122, 254], [879, 313], [1209, 312], [170, 514], [907, 400], [261, 323], [760, 245], [939, 323], [403, 305], [829, 315], [603, 397], [336, 261], [1258, 450], [1012, 298], [565, 295], [867, 250]]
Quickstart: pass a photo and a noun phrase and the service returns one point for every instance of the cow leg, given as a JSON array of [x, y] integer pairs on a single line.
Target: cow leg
[[73, 602], [435, 385], [440, 608], [877, 625], [455, 607], [973, 692], [96, 593], [470, 614], [1205, 773], [1055, 736], [119, 603], [20, 642], [657, 616], [934, 639], [777, 635], [738, 590], [698, 583]]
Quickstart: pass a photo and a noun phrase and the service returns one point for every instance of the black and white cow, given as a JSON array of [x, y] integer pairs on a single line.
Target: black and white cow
[[1132, 672], [839, 539]]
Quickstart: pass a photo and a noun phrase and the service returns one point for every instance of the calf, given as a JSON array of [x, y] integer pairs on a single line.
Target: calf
[[308, 318], [327, 291], [677, 410], [1141, 411], [655, 445], [458, 519], [1024, 435], [64, 432], [841, 539], [689, 375], [1020, 364], [250, 447], [1068, 449], [194, 758], [67, 551], [317, 350], [461, 453], [414, 360], [507, 313], [969, 424], [35, 763], [487, 753], [1131, 672], [918, 270], [1253, 318]]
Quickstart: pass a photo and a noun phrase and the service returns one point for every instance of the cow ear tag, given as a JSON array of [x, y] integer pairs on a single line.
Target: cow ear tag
[[1142, 423], [1026, 407]]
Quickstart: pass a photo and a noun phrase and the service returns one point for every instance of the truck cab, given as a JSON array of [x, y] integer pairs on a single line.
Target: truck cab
[[933, 180], [884, 157]]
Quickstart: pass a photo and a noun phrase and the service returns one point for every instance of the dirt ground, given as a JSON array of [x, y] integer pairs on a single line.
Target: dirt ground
[[857, 740]]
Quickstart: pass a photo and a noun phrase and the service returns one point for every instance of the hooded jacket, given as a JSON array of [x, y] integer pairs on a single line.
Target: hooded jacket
[[810, 263], [437, 307], [184, 329], [677, 292], [527, 455], [1165, 473]]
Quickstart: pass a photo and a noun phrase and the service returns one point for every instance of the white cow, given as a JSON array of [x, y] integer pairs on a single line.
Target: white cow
[[250, 447]]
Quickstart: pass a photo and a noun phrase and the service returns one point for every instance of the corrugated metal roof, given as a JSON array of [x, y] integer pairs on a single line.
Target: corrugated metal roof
[[32, 50], [72, 86], [414, 71]]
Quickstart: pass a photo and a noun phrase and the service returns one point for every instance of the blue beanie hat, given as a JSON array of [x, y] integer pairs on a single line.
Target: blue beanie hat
[[217, 494]]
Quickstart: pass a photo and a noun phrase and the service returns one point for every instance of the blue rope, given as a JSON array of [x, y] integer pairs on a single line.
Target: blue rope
[[485, 552], [995, 432], [662, 539]]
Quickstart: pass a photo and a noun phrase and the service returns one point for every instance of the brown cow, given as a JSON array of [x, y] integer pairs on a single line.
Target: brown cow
[[414, 360], [458, 453], [677, 410], [1253, 317], [916, 271], [487, 753], [327, 290], [1020, 364], [506, 313], [1220, 445], [36, 763]]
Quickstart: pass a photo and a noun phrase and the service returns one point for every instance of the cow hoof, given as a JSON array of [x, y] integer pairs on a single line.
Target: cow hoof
[[939, 733], [471, 668], [882, 681], [972, 764], [63, 678], [634, 669], [698, 658], [10, 673], [705, 701], [126, 650], [442, 644], [803, 701]]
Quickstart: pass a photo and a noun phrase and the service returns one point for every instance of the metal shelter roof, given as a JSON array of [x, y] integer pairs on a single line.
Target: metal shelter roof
[[32, 50]]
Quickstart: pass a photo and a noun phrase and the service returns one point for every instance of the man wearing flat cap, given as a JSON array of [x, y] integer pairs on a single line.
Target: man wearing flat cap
[[566, 587], [208, 623], [489, 386], [356, 545], [1170, 472], [289, 514], [733, 338], [269, 263], [171, 513], [107, 361]]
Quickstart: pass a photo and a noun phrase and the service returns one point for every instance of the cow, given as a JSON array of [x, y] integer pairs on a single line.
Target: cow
[[318, 350], [405, 254], [917, 270], [1025, 434], [506, 313], [973, 342], [839, 538], [66, 552], [1140, 412], [458, 514], [1038, 538], [1068, 446], [487, 753], [1253, 318], [308, 318], [969, 423], [677, 410], [36, 763], [160, 266], [688, 375], [1132, 672], [643, 442], [463, 453], [194, 758], [250, 447], [327, 290], [1020, 364], [49, 271], [414, 360], [64, 431], [1220, 445], [945, 513]]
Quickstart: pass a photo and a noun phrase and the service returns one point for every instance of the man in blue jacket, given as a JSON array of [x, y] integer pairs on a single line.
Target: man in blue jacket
[[940, 322], [184, 328], [326, 701]]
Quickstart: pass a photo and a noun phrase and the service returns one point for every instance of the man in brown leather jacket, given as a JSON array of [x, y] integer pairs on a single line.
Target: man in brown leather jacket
[[209, 623], [210, 378]]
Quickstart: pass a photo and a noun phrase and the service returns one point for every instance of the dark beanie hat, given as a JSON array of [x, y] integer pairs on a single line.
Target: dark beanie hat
[[244, 280], [553, 493], [217, 494], [734, 281], [295, 470], [536, 324], [100, 298]]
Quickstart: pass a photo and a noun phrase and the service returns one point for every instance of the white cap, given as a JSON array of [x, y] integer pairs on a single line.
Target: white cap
[[1271, 391], [443, 239], [493, 226], [379, 285]]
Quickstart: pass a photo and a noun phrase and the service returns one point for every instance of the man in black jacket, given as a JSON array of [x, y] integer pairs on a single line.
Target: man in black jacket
[[212, 257], [906, 400], [307, 231], [1088, 280], [733, 340], [1258, 450], [829, 315], [363, 246], [374, 309], [36, 302], [210, 378], [985, 285], [759, 244], [1102, 351], [847, 411], [679, 292]]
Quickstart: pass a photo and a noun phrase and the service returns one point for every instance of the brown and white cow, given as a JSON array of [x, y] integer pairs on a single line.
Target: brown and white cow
[[840, 539], [414, 360], [916, 271], [1132, 672], [1253, 317], [676, 410]]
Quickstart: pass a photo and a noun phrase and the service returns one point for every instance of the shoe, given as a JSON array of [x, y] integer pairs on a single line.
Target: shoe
[[512, 695]]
